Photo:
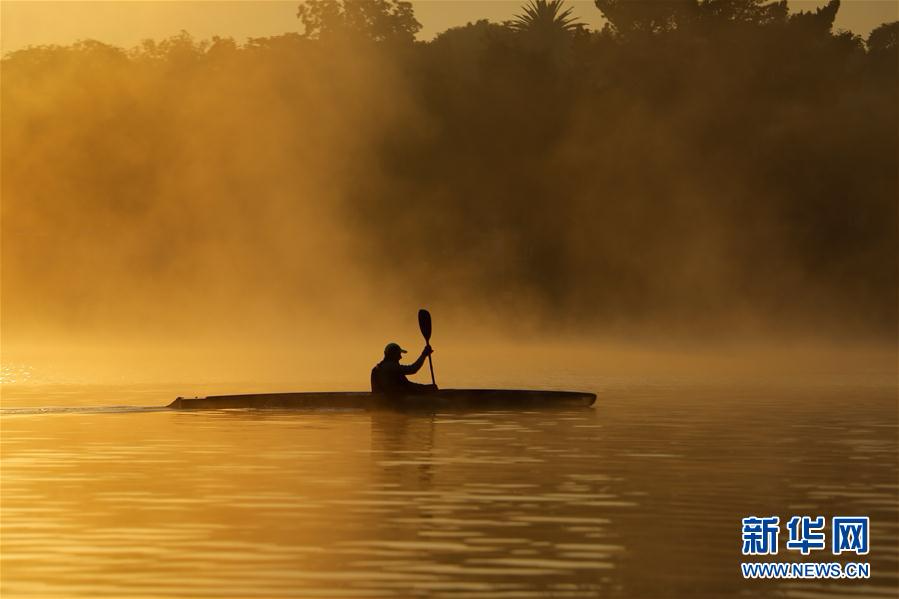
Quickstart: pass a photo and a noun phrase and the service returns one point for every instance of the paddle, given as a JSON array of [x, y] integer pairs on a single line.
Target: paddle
[[424, 323]]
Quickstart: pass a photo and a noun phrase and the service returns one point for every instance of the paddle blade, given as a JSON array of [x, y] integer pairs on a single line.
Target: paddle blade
[[424, 323]]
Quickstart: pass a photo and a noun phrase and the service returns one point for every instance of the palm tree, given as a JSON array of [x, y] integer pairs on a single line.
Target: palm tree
[[545, 17]]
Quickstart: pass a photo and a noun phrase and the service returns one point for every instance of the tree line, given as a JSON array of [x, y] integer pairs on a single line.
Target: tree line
[[694, 164]]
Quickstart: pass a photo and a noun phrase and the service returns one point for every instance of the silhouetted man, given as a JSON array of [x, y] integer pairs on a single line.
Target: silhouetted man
[[389, 376]]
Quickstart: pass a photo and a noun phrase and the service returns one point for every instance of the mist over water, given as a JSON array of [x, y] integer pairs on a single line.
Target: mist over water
[[715, 178], [691, 213]]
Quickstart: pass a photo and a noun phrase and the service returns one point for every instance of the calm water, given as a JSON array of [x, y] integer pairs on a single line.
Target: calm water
[[640, 497]]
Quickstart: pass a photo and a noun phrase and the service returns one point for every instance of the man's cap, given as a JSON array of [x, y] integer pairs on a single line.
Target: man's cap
[[393, 347]]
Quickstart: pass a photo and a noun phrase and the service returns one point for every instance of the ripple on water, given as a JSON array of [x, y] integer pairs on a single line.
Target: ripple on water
[[640, 497]]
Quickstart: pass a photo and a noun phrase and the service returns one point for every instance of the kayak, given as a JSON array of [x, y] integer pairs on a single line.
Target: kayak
[[443, 399]]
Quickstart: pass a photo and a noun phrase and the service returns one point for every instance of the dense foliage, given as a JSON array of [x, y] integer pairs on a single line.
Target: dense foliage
[[696, 163]]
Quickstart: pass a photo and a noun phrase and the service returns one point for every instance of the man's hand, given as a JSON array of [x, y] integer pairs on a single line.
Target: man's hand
[[427, 351]]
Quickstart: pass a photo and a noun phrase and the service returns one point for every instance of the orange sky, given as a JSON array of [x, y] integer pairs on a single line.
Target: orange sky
[[126, 22]]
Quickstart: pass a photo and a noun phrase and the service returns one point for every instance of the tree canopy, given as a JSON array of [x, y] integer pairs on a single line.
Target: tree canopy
[[377, 20], [699, 163]]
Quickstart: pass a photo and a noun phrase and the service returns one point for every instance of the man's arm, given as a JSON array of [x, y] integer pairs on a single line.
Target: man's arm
[[417, 364]]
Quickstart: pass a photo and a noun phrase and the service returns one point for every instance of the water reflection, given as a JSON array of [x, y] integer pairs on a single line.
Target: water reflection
[[460, 498], [402, 448], [640, 497]]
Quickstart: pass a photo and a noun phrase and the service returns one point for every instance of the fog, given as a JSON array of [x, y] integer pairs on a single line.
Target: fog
[[666, 185]]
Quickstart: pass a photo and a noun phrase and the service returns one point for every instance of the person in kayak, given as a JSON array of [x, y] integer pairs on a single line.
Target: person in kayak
[[389, 376]]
